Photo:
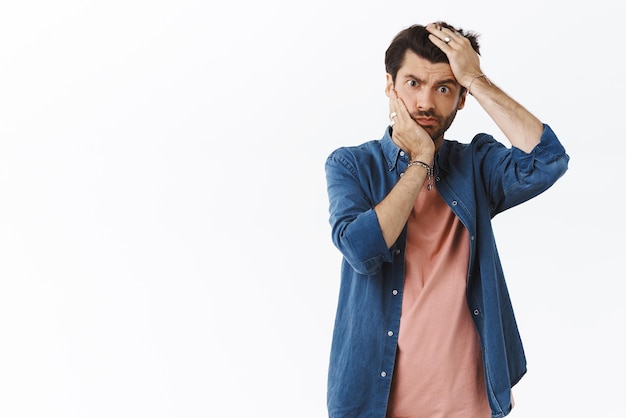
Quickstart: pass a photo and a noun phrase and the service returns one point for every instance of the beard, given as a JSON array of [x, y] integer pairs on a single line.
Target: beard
[[436, 131]]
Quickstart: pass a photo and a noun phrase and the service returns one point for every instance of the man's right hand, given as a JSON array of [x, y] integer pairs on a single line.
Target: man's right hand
[[407, 133]]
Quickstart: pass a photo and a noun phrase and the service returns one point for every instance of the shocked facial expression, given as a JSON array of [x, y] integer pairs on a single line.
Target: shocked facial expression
[[430, 92]]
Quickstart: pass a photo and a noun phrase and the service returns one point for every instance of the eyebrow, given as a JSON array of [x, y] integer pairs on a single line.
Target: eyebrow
[[439, 83]]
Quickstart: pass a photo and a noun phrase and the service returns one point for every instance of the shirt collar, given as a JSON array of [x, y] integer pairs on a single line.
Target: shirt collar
[[392, 152]]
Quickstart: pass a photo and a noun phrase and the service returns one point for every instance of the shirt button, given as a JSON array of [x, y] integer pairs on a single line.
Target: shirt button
[[438, 178], [472, 237], [395, 292], [383, 374], [401, 174], [390, 333], [476, 311], [397, 251], [454, 203], [401, 153]]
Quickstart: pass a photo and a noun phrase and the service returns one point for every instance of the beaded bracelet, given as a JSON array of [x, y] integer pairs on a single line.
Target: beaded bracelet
[[429, 171]]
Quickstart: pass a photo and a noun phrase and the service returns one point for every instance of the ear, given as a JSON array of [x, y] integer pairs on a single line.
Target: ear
[[462, 98], [389, 85]]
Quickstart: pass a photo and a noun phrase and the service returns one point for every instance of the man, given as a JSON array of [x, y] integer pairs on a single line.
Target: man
[[424, 325]]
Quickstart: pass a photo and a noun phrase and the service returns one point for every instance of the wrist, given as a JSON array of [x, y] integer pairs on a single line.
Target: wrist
[[426, 158], [480, 78], [429, 170]]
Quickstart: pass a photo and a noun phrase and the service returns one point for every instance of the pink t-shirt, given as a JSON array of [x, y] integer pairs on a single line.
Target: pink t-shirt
[[439, 370]]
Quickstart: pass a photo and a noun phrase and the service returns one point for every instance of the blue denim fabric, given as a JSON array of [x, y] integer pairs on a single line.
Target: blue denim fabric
[[478, 181]]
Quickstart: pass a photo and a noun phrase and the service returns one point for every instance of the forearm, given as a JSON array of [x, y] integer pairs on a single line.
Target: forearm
[[394, 210], [520, 126]]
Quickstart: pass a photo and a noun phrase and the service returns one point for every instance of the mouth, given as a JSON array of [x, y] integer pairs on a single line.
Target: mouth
[[426, 121]]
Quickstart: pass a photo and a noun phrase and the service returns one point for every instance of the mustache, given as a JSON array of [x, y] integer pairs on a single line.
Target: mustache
[[425, 114]]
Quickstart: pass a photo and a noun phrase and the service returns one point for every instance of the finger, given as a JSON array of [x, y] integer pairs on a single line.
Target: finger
[[393, 107], [393, 103], [396, 108], [402, 110], [441, 35], [440, 42], [401, 116]]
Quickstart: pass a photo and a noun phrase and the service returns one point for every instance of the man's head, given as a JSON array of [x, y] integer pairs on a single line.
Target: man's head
[[415, 38], [420, 74]]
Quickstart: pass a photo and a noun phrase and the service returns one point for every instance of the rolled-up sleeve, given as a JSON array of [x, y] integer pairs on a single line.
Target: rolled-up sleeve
[[549, 154], [354, 224], [514, 176]]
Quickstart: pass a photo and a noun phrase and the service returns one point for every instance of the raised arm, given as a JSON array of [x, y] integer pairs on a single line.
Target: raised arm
[[520, 126], [394, 210]]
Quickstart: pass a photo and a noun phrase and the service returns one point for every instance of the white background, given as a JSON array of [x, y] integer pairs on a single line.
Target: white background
[[164, 243]]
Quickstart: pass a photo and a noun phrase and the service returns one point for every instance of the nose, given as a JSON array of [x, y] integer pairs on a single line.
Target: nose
[[424, 100]]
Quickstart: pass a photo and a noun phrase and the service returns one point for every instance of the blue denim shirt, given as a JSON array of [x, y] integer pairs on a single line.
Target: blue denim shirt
[[477, 180]]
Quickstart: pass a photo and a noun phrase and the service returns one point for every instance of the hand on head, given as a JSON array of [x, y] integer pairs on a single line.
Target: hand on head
[[464, 61]]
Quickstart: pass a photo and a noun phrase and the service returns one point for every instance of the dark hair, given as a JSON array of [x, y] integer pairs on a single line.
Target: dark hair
[[416, 39]]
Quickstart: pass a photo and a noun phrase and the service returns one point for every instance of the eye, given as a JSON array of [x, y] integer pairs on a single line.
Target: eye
[[412, 83], [444, 89]]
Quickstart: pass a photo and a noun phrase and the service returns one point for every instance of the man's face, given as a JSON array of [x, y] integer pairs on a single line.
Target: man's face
[[430, 92]]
